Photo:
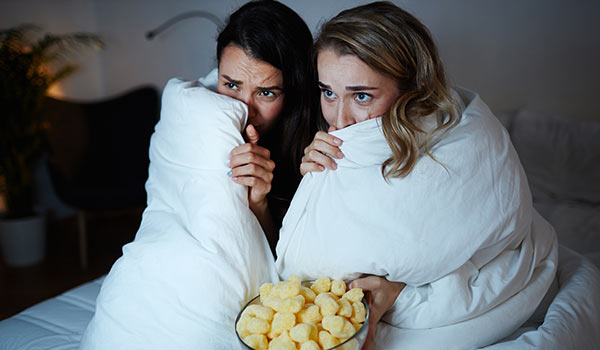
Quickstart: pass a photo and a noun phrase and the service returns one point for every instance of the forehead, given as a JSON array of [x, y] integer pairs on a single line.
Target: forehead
[[345, 69], [239, 66]]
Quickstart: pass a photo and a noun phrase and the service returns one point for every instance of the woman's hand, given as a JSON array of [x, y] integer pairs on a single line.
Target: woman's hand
[[315, 155], [381, 295], [251, 165]]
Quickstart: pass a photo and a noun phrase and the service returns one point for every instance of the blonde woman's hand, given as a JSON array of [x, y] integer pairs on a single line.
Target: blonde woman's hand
[[318, 155], [381, 295], [251, 165]]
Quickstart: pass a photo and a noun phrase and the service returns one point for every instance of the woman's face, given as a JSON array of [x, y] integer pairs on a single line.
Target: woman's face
[[256, 83], [352, 92]]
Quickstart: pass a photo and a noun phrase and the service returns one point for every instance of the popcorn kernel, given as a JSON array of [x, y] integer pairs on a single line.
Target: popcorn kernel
[[338, 287], [345, 308], [327, 304], [354, 295], [322, 285], [256, 341]]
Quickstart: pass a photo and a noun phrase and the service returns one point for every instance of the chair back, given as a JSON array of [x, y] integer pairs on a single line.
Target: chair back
[[99, 150]]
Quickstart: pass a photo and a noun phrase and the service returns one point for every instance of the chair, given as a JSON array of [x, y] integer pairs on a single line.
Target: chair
[[98, 152]]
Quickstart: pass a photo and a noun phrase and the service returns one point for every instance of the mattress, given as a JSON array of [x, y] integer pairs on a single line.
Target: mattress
[[57, 323], [571, 319]]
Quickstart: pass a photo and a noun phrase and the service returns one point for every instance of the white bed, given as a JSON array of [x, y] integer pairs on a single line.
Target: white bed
[[562, 161], [571, 321]]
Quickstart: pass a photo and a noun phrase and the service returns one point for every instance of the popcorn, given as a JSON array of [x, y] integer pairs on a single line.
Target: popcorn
[[265, 289], [258, 326], [311, 345], [282, 342], [283, 322], [274, 303], [303, 332], [292, 305], [294, 316], [286, 289], [263, 312], [354, 295], [338, 326], [327, 341], [242, 324], [333, 324], [256, 341], [345, 308], [327, 303], [322, 285], [310, 314], [338, 287], [295, 279], [358, 313], [308, 294]]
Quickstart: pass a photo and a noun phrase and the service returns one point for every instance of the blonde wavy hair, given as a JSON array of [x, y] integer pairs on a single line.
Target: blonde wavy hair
[[394, 43]]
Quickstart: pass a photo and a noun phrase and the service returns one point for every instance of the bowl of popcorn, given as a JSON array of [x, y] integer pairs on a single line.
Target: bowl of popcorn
[[311, 315]]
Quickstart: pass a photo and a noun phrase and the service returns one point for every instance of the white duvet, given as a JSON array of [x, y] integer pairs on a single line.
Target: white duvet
[[476, 258], [200, 253]]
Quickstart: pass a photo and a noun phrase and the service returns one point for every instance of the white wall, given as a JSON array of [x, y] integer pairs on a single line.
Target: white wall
[[540, 54]]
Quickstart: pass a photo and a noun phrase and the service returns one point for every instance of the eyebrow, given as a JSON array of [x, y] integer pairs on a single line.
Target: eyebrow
[[233, 81], [238, 82], [350, 88]]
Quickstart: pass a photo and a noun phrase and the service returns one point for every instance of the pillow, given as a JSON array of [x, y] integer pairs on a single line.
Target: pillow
[[561, 157], [200, 254]]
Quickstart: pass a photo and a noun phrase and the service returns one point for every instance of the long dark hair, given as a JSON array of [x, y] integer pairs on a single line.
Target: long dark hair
[[272, 32]]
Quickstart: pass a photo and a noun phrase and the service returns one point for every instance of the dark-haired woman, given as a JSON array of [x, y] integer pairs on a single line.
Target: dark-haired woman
[[265, 60]]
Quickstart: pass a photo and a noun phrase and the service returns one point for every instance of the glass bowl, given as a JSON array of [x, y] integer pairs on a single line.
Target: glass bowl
[[355, 342]]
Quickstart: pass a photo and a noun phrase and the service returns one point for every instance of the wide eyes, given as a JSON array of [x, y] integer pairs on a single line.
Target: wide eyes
[[231, 86], [266, 93], [360, 97], [328, 94]]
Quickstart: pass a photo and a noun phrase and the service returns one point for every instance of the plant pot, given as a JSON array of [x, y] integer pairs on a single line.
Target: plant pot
[[23, 241]]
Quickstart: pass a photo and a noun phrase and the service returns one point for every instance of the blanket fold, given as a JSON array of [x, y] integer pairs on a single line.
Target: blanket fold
[[200, 254]]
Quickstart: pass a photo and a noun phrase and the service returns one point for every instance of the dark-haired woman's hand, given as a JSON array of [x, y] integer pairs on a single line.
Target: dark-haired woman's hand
[[251, 165], [381, 295], [320, 153]]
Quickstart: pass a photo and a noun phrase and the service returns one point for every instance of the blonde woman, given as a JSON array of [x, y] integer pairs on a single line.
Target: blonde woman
[[415, 193]]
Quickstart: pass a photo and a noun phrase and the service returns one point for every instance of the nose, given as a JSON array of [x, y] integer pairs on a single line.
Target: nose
[[249, 101], [344, 117]]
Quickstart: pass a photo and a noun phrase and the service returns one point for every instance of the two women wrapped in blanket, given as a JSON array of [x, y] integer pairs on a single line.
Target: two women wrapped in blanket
[[427, 193]]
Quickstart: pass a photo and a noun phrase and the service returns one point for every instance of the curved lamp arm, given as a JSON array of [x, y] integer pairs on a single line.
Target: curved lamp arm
[[203, 14]]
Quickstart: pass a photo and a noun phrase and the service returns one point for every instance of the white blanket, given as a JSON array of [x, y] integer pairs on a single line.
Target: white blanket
[[476, 257], [200, 253]]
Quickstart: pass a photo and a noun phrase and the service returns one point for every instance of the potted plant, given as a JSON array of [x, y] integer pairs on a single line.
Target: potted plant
[[29, 64]]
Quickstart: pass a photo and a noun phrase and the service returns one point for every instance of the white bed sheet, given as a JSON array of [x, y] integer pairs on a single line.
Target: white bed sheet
[[572, 320], [57, 323]]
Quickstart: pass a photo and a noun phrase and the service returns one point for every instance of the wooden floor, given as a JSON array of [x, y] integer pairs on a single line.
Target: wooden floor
[[23, 287]]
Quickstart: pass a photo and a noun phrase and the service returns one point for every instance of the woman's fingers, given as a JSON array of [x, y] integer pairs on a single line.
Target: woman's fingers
[[258, 187], [314, 156], [250, 148], [318, 155], [324, 147], [246, 158], [369, 283], [253, 170], [381, 295], [310, 167], [252, 134], [252, 166]]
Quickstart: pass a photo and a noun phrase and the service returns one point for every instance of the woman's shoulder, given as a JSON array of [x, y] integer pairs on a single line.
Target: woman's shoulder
[[476, 117]]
